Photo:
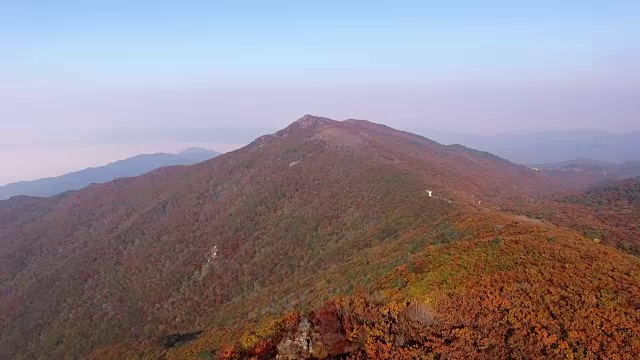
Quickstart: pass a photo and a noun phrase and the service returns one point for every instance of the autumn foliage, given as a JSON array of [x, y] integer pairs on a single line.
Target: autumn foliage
[[523, 296], [319, 241]]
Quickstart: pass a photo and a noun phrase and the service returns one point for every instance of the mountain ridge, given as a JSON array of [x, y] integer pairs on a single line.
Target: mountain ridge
[[133, 166], [356, 214], [585, 172], [549, 147]]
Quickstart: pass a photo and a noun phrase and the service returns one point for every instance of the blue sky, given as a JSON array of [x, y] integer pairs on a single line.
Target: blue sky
[[82, 79], [106, 42]]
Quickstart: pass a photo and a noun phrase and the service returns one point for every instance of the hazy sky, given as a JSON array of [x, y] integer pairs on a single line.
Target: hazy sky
[[87, 82]]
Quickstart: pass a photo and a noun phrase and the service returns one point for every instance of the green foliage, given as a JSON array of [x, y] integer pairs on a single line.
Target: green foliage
[[633, 249], [390, 230], [205, 355], [593, 234], [447, 233], [418, 244], [496, 241], [349, 289]]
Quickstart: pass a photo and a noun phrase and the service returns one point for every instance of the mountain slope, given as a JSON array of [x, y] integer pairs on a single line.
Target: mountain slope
[[312, 212], [506, 288], [606, 212], [133, 166], [616, 206]]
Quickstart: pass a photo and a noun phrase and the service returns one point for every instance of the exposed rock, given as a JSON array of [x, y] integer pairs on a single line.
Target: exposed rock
[[320, 336], [301, 345], [310, 120]]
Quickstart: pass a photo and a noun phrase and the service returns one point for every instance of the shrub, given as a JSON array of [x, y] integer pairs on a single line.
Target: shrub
[[420, 313]]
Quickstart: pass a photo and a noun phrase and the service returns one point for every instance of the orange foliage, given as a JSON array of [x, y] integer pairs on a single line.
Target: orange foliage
[[332, 222]]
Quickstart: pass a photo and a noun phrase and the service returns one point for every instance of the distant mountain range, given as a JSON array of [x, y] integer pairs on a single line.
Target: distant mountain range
[[133, 166], [623, 170], [549, 147], [584, 171]]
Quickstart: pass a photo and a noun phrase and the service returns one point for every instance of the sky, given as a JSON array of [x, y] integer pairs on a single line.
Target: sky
[[83, 83]]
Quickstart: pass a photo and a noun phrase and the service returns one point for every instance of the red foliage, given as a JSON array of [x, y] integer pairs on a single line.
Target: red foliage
[[320, 210]]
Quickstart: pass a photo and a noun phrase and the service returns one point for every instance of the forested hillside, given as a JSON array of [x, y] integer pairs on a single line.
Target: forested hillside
[[583, 173], [607, 213], [617, 205], [325, 239]]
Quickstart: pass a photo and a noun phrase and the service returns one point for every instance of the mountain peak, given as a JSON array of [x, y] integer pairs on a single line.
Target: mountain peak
[[303, 126], [311, 120]]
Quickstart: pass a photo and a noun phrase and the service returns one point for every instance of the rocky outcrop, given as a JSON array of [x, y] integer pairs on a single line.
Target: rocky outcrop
[[301, 344], [318, 336]]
